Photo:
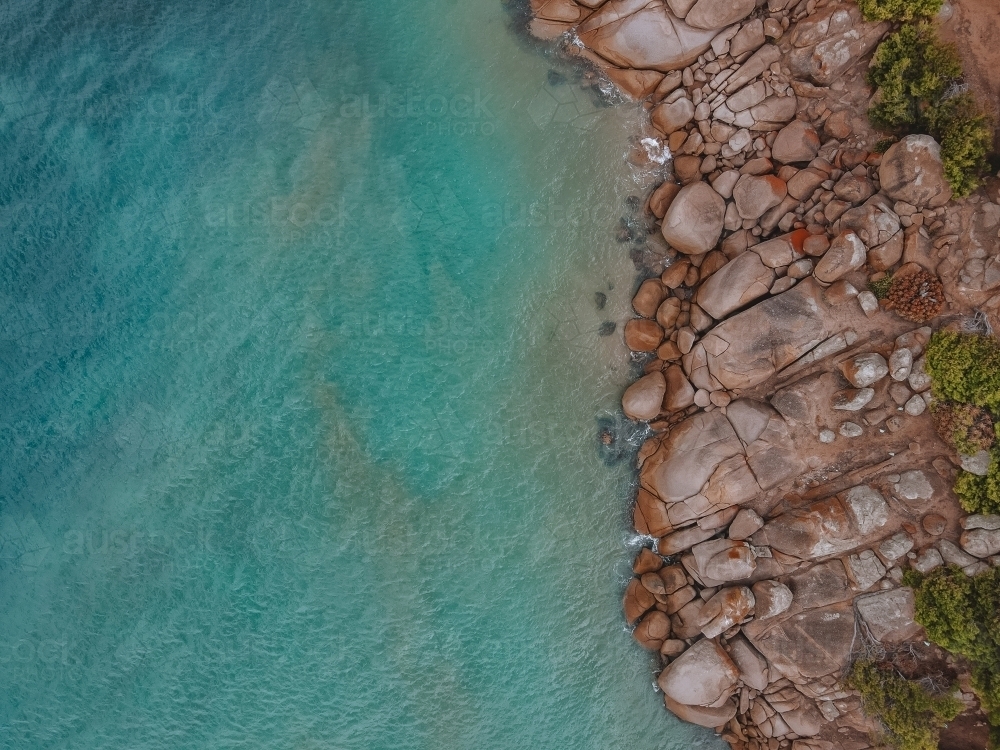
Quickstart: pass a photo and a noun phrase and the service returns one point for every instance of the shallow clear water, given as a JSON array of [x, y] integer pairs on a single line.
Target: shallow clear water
[[300, 383]]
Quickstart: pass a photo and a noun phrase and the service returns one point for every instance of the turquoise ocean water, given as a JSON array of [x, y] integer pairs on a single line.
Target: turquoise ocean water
[[301, 381]]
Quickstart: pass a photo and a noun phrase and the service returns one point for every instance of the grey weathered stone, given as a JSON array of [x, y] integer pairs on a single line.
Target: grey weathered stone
[[953, 555], [900, 364], [868, 508], [978, 464], [851, 430], [868, 302], [981, 542], [865, 569], [915, 406], [832, 526], [827, 43], [875, 222], [889, 615], [896, 546], [853, 399], [771, 599], [911, 171], [847, 253], [812, 644], [822, 584], [864, 370], [913, 485], [928, 560], [919, 380], [980, 521]]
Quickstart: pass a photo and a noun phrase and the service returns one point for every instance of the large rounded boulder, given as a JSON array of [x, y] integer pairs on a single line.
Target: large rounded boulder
[[643, 36], [911, 171], [693, 223], [643, 399], [717, 14], [704, 675]]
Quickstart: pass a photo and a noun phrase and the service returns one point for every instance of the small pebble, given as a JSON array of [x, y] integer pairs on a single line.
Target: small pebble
[[915, 406], [851, 430]]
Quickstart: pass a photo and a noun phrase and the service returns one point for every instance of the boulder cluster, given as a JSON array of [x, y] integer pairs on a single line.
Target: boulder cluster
[[791, 471]]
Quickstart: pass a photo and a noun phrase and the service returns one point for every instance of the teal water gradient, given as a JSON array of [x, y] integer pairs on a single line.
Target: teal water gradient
[[300, 384]]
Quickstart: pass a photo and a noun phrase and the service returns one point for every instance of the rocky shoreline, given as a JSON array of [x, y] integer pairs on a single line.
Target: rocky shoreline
[[792, 472]]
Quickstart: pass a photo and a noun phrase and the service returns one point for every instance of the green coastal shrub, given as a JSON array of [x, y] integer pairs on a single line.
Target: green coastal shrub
[[898, 10], [913, 71], [912, 717], [980, 494], [966, 138], [881, 287], [969, 429], [965, 379], [965, 368], [962, 615]]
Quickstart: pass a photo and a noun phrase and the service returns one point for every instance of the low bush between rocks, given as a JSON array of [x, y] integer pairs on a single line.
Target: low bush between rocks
[[962, 615], [881, 287], [917, 296], [917, 78], [898, 10], [969, 429], [965, 369], [965, 377], [912, 717]]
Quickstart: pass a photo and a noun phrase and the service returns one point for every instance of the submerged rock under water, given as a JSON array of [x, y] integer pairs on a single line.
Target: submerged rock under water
[[618, 438]]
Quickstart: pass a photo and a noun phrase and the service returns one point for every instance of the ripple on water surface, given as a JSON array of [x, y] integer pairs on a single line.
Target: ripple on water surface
[[302, 385]]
